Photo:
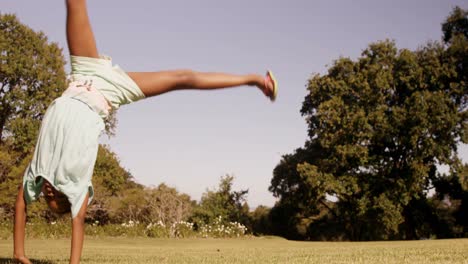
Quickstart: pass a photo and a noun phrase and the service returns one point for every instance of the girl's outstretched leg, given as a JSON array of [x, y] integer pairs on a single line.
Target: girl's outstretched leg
[[80, 36], [156, 83]]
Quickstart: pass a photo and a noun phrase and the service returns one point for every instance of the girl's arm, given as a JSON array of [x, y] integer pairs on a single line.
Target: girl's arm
[[78, 226], [19, 229]]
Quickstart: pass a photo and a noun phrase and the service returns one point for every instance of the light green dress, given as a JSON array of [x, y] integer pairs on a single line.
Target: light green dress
[[67, 145]]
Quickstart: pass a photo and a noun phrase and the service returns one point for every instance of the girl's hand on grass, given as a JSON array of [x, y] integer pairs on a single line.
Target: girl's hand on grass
[[23, 260]]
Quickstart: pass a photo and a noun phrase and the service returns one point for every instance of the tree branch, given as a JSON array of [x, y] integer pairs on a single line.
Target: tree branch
[[3, 86], [328, 207]]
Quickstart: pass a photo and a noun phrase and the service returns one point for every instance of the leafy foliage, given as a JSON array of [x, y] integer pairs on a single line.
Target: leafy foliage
[[162, 204], [31, 76], [378, 128], [167, 205], [110, 179], [222, 203]]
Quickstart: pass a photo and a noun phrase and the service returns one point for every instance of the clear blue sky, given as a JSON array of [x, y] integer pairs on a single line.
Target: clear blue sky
[[189, 139]]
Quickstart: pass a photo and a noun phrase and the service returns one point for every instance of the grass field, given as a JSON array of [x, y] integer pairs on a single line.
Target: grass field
[[246, 250]]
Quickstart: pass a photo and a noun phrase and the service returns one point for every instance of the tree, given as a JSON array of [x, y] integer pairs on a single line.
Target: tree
[[230, 205], [109, 174], [110, 182], [463, 177], [11, 173], [456, 24], [162, 204], [129, 204], [378, 127], [261, 221], [167, 205], [451, 200], [31, 76]]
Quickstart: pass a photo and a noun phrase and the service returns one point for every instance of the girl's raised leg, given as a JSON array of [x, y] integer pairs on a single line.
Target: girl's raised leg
[[80, 36], [156, 83]]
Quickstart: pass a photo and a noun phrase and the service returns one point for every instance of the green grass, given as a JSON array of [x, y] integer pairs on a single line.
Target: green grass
[[245, 250]]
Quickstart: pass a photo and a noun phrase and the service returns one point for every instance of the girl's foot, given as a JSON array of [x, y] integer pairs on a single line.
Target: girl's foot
[[267, 84], [271, 86]]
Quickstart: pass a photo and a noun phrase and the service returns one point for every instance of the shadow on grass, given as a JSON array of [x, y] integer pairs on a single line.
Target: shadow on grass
[[34, 261]]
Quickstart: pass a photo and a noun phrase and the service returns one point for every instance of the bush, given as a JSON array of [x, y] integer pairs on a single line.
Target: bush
[[158, 229], [219, 229], [182, 229], [6, 230], [62, 229]]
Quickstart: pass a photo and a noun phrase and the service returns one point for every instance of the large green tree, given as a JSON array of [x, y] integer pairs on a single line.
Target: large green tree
[[378, 128], [31, 76]]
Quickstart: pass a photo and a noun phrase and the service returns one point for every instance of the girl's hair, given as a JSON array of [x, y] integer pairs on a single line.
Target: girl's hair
[[57, 201], [63, 205]]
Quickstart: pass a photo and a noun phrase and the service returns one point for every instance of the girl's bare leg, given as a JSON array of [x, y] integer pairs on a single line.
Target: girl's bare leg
[[156, 83], [78, 225], [81, 42], [19, 229], [80, 36]]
